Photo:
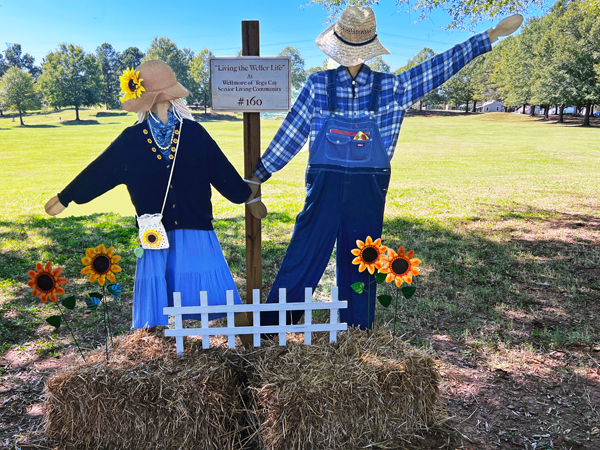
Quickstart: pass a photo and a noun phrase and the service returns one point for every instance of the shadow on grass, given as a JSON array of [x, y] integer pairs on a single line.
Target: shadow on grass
[[81, 122], [215, 117], [110, 113], [41, 126]]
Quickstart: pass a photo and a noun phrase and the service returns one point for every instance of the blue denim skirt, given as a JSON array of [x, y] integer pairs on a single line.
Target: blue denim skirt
[[193, 262]]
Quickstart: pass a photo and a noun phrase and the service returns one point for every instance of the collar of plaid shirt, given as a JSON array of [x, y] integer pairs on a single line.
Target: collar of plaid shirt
[[361, 79]]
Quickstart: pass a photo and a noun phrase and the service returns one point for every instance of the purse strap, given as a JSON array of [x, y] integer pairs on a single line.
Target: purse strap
[[172, 166]]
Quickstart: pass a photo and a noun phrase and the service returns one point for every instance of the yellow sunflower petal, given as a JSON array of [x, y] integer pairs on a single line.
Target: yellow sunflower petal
[[102, 280], [48, 266], [410, 254], [356, 260], [101, 249], [371, 269], [378, 265], [39, 267], [407, 278], [390, 277], [53, 297], [413, 271], [90, 252], [362, 267], [61, 280], [383, 249], [36, 292], [415, 262], [31, 283], [60, 291], [360, 244], [57, 271], [391, 254], [398, 281], [86, 261], [377, 242], [110, 277], [385, 269], [44, 297], [369, 241], [115, 268], [86, 270], [354, 251], [110, 251], [93, 276], [115, 259], [32, 274]]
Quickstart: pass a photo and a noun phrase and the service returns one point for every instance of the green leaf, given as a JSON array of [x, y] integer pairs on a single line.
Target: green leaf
[[139, 252], [54, 321], [408, 291], [359, 287], [380, 277], [114, 289], [93, 301], [385, 300], [69, 302]]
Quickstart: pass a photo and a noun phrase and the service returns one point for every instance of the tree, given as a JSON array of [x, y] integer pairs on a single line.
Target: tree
[[178, 60], [460, 11], [108, 58], [17, 92], [200, 75], [434, 97], [379, 65], [296, 66], [15, 58], [71, 77], [459, 89], [130, 58], [323, 66], [3, 65]]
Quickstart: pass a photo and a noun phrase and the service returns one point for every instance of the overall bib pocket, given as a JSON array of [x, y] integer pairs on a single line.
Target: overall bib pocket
[[341, 146]]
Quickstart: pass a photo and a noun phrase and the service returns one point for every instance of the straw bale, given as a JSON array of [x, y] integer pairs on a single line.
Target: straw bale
[[147, 397], [368, 388]]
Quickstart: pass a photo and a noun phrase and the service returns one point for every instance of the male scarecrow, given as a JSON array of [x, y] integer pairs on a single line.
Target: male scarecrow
[[352, 116]]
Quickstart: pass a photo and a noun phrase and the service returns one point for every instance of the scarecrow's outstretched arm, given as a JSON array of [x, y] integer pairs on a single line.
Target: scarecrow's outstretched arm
[[505, 27]]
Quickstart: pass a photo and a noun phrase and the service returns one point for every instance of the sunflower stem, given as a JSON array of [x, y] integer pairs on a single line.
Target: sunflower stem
[[70, 331], [396, 312], [105, 324], [369, 302]]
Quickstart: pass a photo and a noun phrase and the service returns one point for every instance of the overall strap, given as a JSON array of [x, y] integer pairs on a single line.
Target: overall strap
[[331, 86], [375, 92]]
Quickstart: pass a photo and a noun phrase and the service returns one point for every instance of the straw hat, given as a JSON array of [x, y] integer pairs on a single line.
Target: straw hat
[[353, 38], [157, 82]]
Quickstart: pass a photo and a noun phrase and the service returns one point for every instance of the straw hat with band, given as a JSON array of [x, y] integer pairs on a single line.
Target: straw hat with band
[[159, 84], [352, 40]]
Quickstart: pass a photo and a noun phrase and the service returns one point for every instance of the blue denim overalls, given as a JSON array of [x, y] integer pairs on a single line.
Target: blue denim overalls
[[346, 184]]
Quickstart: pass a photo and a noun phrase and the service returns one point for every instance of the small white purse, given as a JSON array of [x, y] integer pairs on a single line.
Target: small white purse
[[152, 233]]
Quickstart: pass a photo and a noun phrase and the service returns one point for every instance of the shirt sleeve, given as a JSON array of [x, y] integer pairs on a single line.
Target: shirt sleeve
[[412, 85], [223, 176], [99, 177], [290, 137]]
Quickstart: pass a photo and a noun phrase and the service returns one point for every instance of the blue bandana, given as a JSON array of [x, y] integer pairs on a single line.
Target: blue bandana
[[162, 132]]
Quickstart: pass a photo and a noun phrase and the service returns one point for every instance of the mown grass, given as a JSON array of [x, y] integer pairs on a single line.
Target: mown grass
[[502, 210]]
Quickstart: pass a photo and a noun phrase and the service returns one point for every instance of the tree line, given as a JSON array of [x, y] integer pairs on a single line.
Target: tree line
[[553, 61]]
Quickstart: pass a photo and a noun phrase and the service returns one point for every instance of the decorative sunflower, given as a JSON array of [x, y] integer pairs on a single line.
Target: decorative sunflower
[[46, 282], [152, 238], [131, 85], [400, 266], [369, 255], [101, 264]]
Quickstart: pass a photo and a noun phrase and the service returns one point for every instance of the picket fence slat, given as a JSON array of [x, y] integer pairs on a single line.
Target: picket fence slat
[[308, 306]]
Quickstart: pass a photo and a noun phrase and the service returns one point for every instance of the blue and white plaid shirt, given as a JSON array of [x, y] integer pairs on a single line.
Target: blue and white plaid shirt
[[399, 92]]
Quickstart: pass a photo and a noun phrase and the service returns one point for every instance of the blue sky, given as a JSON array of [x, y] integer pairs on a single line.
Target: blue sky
[[41, 25]]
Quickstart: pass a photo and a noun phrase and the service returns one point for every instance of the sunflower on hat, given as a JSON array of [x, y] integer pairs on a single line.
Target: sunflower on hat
[[131, 85]]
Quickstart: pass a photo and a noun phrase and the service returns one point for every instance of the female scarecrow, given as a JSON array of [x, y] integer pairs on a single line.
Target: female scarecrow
[[168, 163]]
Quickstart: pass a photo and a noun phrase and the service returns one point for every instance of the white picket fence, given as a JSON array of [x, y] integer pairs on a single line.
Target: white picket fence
[[308, 306]]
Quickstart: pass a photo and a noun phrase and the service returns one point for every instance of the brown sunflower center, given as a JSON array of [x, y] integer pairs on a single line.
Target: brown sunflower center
[[101, 264], [151, 238], [45, 282], [369, 255], [400, 266], [132, 85]]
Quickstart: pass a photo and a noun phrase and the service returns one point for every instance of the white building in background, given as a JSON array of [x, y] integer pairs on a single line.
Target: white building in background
[[491, 106]]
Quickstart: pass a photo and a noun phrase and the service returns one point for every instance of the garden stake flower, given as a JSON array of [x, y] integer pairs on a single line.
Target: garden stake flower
[[101, 265], [369, 256], [399, 267], [131, 85], [45, 282]]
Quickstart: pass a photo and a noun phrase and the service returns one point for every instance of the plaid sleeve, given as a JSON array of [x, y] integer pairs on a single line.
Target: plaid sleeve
[[412, 85], [290, 137]]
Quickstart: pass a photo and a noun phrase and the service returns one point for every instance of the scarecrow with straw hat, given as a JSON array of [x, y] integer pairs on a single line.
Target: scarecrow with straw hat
[[352, 116], [168, 163]]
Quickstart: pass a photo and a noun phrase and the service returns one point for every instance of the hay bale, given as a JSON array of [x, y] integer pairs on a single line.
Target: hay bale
[[369, 388], [147, 397]]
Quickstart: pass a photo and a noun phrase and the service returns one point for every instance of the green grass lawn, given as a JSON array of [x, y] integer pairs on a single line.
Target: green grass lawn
[[502, 209]]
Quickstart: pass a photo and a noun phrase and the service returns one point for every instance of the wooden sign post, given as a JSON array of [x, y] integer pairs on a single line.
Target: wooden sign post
[[251, 47]]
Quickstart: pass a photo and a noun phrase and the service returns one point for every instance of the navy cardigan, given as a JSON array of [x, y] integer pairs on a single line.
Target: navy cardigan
[[132, 160]]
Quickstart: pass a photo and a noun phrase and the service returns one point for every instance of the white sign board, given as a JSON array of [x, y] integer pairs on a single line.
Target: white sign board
[[250, 84]]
